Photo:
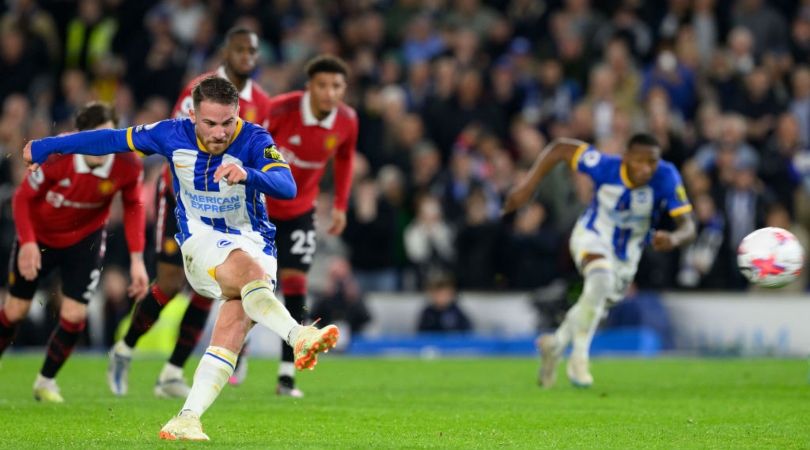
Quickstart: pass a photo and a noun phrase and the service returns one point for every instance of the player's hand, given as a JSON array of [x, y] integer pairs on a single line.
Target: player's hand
[[231, 173], [338, 222], [662, 241], [29, 260], [28, 158], [517, 197], [140, 280]]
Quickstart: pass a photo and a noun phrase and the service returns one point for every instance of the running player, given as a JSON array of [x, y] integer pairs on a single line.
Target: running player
[[240, 54], [607, 241], [310, 127], [222, 167], [60, 211]]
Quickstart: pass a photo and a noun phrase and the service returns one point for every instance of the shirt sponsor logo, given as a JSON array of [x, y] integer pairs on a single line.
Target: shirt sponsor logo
[[210, 203]]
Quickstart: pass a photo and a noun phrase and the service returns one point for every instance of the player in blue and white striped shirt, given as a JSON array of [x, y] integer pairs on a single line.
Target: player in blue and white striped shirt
[[630, 192], [222, 167]]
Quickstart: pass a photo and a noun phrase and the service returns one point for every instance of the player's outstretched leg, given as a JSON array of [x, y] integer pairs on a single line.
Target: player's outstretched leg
[[584, 317], [259, 305], [170, 383], [263, 307], [294, 288], [144, 315]]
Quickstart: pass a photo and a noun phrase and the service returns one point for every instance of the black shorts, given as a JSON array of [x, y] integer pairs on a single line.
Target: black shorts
[[295, 241], [166, 247], [79, 265]]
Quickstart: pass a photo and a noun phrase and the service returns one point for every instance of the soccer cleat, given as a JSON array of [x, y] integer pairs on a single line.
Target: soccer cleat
[[171, 388], [185, 426], [578, 372], [312, 341], [240, 373], [550, 354], [46, 390], [118, 372], [286, 388]]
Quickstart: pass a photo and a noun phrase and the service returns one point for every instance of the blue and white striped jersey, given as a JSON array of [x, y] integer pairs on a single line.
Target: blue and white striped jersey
[[623, 215], [201, 203]]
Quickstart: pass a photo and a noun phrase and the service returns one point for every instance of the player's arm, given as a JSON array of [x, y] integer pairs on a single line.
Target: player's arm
[[684, 233], [94, 142], [134, 227], [680, 210], [264, 170], [33, 188], [344, 160], [563, 149]]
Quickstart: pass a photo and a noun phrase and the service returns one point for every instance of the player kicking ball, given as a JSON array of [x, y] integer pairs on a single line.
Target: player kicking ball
[[222, 167], [240, 54], [607, 240]]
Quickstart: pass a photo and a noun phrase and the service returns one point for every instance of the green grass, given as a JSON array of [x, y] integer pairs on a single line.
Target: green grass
[[450, 403]]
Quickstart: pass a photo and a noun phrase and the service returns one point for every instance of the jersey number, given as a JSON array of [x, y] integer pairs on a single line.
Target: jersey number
[[303, 244]]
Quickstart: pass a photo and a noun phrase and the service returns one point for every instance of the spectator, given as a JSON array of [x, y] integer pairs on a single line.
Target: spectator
[[371, 237], [442, 313], [533, 249], [477, 243], [429, 239], [342, 299]]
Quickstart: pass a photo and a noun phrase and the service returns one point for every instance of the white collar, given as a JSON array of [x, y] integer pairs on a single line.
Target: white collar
[[310, 120], [247, 91], [102, 171]]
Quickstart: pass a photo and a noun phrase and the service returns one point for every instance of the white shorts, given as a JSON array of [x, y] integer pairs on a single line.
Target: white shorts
[[205, 250], [585, 242]]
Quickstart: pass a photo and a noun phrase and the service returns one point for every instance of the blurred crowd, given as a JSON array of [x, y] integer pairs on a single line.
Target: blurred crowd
[[455, 99]]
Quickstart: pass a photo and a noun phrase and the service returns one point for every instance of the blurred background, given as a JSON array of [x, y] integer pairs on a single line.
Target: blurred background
[[455, 100]]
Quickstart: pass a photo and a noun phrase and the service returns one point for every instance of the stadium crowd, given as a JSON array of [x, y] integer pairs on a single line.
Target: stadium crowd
[[455, 99]]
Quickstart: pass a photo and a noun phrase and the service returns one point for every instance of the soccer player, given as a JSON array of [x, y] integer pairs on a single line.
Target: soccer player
[[222, 167], [310, 127], [240, 55], [629, 193], [59, 212]]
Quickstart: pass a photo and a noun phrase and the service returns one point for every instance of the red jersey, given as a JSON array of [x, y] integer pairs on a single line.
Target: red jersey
[[65, 200], [307, 144], [253, 101]]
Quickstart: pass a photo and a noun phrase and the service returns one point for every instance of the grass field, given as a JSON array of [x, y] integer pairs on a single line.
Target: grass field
[[449, 403]]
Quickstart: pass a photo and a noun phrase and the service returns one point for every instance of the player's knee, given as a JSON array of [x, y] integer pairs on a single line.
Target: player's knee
[[73, 311], [16, 308], [253, 272]]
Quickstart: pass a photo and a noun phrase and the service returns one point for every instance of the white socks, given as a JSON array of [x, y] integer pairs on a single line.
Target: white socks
[[171, 372], [582, 319], [262, 306], [216, 366], [286, 369]]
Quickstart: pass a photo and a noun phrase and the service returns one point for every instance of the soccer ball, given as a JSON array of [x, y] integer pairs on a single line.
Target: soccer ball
[[770, 257]]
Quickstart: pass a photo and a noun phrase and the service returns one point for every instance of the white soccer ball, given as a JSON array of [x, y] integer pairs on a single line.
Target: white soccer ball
[[770, 257]]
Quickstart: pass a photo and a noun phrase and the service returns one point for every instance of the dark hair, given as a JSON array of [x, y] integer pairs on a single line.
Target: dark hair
[[642, 139], [326, 64], [215, 89], [94, 114], [236, 31]]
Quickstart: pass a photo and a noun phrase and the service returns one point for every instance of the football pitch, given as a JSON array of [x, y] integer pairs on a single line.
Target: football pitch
[[443, 403]]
